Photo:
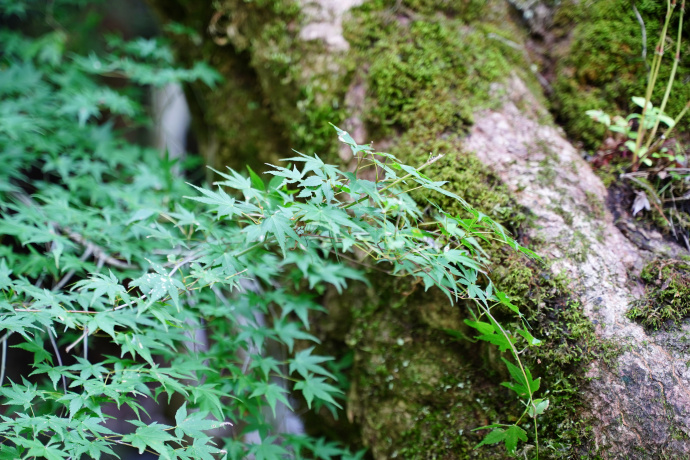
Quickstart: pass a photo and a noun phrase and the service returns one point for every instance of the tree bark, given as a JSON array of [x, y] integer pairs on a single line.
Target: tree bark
[[457, 77]]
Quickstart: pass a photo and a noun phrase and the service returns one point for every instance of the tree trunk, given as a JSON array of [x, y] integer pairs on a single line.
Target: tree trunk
[[459, 77]]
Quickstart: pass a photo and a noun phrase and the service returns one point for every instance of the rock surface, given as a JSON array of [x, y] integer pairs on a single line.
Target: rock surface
[[640, 406]]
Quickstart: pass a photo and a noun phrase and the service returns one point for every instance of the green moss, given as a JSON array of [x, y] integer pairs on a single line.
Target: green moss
[[298, 77], [466, 176], [425, 78], [434, 387], [467, 9], [426, 71], [667, 299], [279, 91], [546, 174], [602, 68], [426, 75], [567, 217]]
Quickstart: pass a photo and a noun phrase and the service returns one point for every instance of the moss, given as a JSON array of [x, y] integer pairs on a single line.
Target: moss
[[546, 174], [466, 9], [466, 176], [426, 71], [425, 378], [565, 215], [297, 77], [426, 76], [602, 67], [667, 299]]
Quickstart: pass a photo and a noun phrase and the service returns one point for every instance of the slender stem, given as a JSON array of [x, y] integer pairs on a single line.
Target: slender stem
[[536, 435], [522, 370], [86, 343], [665, 136], [644, 35], [251, 248], [656, 65], [70, 274], [191, 257]]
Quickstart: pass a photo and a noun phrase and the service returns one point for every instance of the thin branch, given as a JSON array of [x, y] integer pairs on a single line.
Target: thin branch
[[98, 252], [86, 343], [242, 321], [34, 310], [397, 181], [191, 257], [58, 356], [4, 360], [76, 342]]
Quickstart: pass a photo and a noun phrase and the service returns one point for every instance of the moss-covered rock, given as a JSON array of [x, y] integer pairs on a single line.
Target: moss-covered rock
[[426, 70], [426, 73], [667, 300], [425, 77], [569, 345], [280, 91], [418, 388]]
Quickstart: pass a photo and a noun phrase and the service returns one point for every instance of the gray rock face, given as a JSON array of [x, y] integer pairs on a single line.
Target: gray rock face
[[640, 407]]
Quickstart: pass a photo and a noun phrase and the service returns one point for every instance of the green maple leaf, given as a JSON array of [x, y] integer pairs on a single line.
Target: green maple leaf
[[273, 393], [304, 363], [316, 387], [152, 435]]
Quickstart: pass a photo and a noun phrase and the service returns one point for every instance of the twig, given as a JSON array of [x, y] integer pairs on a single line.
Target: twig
[[76, 342], [4, 361], [397, 181], [98, 252], [120, 307], [242, 321], [191, 257], [58, 356], [99, 265], [34, 310], [86, 343]]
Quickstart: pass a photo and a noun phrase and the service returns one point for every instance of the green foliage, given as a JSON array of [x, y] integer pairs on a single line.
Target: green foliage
[[642, 142], [646, 137], [606, 61], [126, 285]]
